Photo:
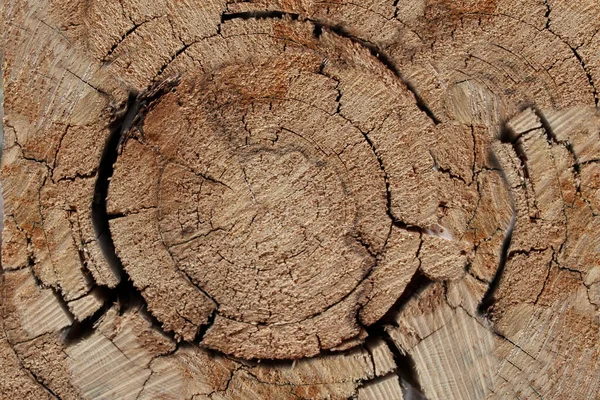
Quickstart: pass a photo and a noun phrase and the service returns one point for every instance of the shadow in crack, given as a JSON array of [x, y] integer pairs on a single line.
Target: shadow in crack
[[405, 365], [506, 135], [118, 127], [124, 294]]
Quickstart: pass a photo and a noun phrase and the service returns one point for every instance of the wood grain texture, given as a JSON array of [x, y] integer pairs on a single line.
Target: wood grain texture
[[287, 199]]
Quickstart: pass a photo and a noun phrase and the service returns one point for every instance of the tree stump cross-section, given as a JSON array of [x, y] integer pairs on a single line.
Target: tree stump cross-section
[[289, 199]]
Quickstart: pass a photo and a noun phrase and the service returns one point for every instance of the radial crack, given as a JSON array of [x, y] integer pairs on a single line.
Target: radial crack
[[587, 73], [488, 298]]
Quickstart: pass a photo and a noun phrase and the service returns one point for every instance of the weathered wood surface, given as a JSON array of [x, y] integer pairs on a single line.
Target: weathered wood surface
[[296, 199]]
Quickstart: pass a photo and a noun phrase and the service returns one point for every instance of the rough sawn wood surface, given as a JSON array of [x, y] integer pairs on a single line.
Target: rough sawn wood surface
[[300, 200]]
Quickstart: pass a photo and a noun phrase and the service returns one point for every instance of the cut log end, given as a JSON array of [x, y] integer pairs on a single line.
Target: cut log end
[[289, 200]]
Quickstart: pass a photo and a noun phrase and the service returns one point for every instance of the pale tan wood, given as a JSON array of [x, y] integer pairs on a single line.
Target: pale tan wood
[[278, 199]]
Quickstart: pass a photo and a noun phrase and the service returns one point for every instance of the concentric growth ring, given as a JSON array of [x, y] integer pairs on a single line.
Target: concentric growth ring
[[253, 190]]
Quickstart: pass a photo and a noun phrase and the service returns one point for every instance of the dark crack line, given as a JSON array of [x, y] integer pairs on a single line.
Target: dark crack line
[[575, 53], [173, 57], [488, 298], [56, 290], [43, 384], [56, 30], [101, 91], [399, 224], [125, 294], [405, 364], [166, 159], [388, 63], [539, 295], [446, 171], [553, 139], [406, 369], [417, 284], [587, 73], [203, 329], [547, 14], [81, 330], [83, 260], [259, 14], [124, 36]]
